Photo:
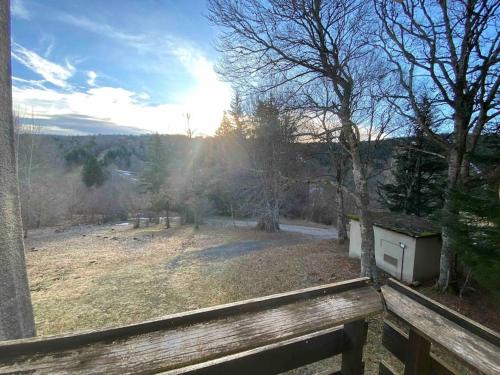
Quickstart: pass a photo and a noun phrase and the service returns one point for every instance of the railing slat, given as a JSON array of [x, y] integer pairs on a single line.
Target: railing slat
[[396, 341], [195, 337], [385, 369], [471, 349], [418, 360], [352, 359], [275, 358]]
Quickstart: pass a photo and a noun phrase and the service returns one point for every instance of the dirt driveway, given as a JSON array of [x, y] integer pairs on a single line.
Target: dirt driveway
[[312, 231]]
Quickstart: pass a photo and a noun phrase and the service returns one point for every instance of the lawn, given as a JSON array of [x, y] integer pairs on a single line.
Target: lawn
[[90, 277]]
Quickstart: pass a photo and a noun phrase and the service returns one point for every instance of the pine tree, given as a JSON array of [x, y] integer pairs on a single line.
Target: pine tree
[[93, 173], [225, 128], [475, 221], [237, 116], [418, 173], [155, 171]]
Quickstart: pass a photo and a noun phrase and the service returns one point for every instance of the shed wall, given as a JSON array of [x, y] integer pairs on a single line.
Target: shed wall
[[428, 253], [395, 253], [354, 239], [419, 258]]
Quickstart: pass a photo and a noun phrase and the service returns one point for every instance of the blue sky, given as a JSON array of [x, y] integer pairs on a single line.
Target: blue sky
[[116, 66]]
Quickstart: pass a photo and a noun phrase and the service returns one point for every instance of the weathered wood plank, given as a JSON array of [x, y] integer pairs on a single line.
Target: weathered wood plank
[[274, 358], [396, 341], [469, 324], [352, 358], [471, 349], [187, 339], [66, 341]]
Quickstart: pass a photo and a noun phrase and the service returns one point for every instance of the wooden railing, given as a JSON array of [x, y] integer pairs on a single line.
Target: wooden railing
[[270, 335], [431, 324], [265, 335]]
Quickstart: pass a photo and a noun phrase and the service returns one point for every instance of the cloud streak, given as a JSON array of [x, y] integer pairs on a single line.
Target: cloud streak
[[18, 10], [51, 72]]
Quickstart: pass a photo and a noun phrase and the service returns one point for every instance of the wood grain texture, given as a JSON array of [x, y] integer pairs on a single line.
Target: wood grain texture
[[396, 341], [461, 320], [274, 358], [470, 349], [187, 339]]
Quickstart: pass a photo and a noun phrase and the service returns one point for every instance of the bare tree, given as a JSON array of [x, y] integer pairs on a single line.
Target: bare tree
[[16, 313], [27, 144], [296, 43], [449, 50]]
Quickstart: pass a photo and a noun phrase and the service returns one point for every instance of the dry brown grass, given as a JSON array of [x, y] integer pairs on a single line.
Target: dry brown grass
[[92, 277]]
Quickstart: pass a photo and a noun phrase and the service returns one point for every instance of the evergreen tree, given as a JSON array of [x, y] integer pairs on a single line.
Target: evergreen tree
[[93, 173], [237, 116], [155, 171], [475, 222], [418, 173], [225, 128]]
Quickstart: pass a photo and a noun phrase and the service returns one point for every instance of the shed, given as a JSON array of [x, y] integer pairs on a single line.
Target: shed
[[406, 247]]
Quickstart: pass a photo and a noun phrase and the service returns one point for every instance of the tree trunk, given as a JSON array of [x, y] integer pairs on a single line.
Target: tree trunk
[[447, 261], [269, 221], [368, 264], [16, 313], [341, 218]]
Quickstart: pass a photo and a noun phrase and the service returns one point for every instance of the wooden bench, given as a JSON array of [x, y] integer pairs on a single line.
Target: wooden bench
[[265, 335], [430, 323]]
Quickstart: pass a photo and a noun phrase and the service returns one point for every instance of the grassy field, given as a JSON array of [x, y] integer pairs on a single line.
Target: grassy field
[[89, 277]]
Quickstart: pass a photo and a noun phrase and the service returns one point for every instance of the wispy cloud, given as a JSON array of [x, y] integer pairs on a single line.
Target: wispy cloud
[[56, 74], [18, 9], [100, 28], [119, 107], [91, 77]]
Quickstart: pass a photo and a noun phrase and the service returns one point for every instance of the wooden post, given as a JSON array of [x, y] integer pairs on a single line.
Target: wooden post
[[418, 360], [352, 359]]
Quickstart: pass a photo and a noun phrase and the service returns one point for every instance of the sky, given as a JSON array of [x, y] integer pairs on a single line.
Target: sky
[[116, 66]]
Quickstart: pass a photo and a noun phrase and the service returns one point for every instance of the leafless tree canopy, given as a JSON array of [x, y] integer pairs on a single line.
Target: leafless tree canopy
[[448, 50]]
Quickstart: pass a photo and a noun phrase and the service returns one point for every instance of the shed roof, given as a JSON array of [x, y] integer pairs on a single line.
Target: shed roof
[[410, 225]]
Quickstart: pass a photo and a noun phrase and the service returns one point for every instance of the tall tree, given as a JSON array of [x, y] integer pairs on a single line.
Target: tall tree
[[238, 116], [475, 224], [155, 171], [294, 43], [92, 172], [418, 173], [225, 128], [16, 313], [269, 144], [449, 49]]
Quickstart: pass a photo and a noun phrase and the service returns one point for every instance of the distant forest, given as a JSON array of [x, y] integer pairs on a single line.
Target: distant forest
[[63, 184]]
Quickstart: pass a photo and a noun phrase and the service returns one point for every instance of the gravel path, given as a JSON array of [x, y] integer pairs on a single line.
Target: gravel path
[[319, 233]]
